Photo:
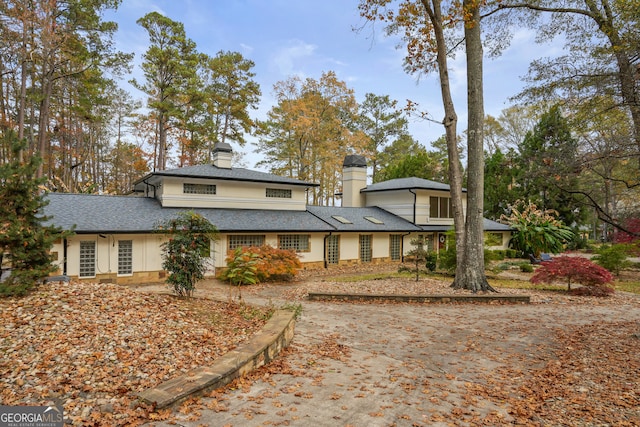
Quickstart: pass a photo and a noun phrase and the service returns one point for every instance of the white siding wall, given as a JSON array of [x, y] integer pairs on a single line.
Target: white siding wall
[[146, 253], [230, 194], [349, 247], [398, 202], [401, 203]]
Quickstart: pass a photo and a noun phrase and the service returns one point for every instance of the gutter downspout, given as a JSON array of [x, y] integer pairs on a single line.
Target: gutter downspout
[[324, 254], [64, 256], [402, 246], [415, 201]]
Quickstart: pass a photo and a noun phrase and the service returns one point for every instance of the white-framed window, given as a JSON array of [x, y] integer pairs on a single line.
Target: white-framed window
[[125, 257], [440, 207], [87, 258], [365, 248], [189, 188], [296, 242], [395, 247], [280, 193], [238, 241]]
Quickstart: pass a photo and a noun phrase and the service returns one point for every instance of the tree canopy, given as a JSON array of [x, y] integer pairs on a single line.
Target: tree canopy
[[60, 75], [310, 131], [25, 238]]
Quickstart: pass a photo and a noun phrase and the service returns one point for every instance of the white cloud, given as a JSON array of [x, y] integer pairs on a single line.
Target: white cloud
[[246, 48], [286, 61]]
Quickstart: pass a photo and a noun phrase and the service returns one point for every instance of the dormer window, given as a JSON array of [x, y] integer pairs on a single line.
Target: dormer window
[[198, 188], [280, 193]]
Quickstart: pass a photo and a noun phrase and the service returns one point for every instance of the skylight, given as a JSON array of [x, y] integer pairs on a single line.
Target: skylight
[[341, 219], [373, 220]]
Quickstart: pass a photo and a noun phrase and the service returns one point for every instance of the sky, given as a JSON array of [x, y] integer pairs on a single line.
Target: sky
[[308, 37]]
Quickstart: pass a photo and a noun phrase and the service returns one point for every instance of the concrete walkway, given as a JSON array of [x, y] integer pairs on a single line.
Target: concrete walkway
[[394, 364]]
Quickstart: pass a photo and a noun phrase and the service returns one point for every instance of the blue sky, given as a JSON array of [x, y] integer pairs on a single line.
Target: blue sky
[[306, 38]]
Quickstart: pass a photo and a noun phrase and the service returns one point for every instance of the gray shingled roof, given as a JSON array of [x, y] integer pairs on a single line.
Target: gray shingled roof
[[406, 184], [122, 214], [358, 221], [90, 213], [237, 174]]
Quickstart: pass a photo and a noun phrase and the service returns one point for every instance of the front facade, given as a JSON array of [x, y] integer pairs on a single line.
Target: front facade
[[115, 238]]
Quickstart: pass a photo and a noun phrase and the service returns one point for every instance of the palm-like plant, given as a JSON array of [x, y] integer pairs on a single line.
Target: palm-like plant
[[536, 230]]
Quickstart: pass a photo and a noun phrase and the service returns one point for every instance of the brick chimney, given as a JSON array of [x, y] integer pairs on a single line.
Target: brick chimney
[[354, 179], [222, 154]]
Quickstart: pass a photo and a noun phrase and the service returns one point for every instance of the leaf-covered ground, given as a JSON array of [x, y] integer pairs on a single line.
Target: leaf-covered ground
[[562, 361], [93, 346]]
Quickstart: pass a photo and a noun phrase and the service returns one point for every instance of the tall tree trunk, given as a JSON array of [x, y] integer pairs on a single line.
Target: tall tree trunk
[[162, 142], [450, 123], [627, 77], [43, 123], [23, 83], [472, 276]]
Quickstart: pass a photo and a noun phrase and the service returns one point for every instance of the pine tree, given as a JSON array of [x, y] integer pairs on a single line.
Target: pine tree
[[25, 242]]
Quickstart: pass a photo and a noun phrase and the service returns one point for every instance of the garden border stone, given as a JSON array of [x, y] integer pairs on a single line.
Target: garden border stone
[[258, 351], [469, 298]]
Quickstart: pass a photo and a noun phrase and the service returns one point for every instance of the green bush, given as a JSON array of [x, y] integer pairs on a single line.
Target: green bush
[[526, 268], [431, 260], [613, 257], [447, 257], [495, 255], [185, 255], [511, 253], [578, 242]]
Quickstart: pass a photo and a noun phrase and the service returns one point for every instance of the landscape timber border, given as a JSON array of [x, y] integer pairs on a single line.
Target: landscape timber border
[[445, 299], [262, 348]]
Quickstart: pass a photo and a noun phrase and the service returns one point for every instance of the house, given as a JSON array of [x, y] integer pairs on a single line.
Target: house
[[115, 238]]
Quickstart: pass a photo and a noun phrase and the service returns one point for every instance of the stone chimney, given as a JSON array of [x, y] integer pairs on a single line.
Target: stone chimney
[[222, 154], [354, 179]]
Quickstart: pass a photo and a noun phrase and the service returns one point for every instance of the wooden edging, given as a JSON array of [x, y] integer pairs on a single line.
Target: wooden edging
[[472, 298], [261, 349]]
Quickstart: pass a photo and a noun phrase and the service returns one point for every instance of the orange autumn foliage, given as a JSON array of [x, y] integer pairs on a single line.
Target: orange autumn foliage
[[273, 264]]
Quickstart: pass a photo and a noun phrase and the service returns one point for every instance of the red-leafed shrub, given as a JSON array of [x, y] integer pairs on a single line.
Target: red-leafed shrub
[[273, 264], [572, 270], [633, 226]]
